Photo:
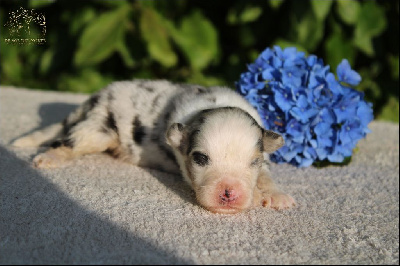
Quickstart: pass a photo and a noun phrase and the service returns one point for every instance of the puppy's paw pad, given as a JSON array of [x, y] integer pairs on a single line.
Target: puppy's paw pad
[[47, 160], [278, 201]]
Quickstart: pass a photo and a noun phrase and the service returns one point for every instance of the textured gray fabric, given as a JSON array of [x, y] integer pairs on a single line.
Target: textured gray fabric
[[99, 210]]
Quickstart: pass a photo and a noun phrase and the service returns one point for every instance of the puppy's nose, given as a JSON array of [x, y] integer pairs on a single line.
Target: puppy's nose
[[228, 195]]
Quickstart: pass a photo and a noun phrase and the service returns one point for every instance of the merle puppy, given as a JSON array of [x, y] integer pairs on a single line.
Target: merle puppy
[[212, 136]]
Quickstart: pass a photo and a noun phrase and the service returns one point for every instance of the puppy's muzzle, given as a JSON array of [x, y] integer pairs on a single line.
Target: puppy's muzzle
[[228, 197]]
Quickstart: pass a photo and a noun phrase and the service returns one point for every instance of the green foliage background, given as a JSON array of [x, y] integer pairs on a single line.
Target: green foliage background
[[91, 43]]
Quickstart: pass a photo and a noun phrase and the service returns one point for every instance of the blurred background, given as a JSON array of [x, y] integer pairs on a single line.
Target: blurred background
[[91, 43]]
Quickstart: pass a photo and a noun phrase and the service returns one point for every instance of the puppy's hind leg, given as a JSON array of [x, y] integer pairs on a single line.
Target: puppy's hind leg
[[39, 137], [54, 157], [83, 138]]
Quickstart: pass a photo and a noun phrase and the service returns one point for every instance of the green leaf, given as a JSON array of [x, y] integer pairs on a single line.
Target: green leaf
[[100, 38], [348, 11], [232, 17], [253, 54], [285, 44], [155, 33], [250, 14], [113, 3], [40, 3], [337, 48], [371, 20], [125, 54], [390, 111], [197, 38], [393, 61], [143, 74], [80, 19], [199, 78], [321, 8], [11, 66], [88, 81], [246, 36], [369, 83], [363, 42], [46, 60], [275, 4], [309, 31]]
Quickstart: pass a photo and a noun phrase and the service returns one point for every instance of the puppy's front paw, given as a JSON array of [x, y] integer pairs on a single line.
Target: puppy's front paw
[[277, 200]]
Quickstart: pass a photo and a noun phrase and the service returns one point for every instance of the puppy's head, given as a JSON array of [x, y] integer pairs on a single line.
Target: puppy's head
[[220, 152]]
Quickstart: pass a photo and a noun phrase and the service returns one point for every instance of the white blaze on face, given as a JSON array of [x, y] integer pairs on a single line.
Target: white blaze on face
[[220, 153], [229, 139]]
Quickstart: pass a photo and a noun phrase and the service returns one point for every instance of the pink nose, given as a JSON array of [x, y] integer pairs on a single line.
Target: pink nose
[[228, 195]]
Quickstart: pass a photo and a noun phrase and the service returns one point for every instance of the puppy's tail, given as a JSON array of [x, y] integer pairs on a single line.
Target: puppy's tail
[[40, 137]]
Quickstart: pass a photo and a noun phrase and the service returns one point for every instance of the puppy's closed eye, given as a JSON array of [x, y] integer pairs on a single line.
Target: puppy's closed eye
[[200, 158]]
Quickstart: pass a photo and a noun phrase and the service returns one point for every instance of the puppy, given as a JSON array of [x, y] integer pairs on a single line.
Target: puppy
[[212, 136]]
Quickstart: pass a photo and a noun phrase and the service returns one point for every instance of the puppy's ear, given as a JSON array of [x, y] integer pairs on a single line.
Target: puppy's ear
[[176, 135], [272, 141]]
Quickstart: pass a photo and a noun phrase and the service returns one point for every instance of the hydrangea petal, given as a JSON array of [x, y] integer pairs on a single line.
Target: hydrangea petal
[[283, 100], [336, 158], [364, 113], [346, 74]]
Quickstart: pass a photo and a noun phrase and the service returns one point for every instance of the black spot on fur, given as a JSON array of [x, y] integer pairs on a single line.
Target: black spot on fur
[[267, 162], [56, 144], [113, 152], [149, 89], [138, 131], [110, 122], [197, 120], [168, 114], [271, 134], [141, 84], [192, 140], [93, 101], [68, 142], [255, 162], [69, 123], [212, 99], [168, 153], [70, 126], [110, 96], [202, 90], [154, 138], [205, 111], [66, 136], [65, 126], [180, 126], [154, 104], [236, 109], [260, 145]]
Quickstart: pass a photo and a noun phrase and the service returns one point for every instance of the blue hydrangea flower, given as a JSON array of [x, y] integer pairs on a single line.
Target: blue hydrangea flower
[[321, 117]]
